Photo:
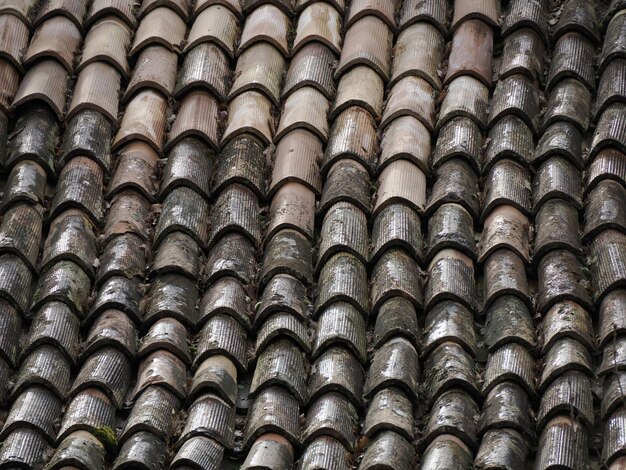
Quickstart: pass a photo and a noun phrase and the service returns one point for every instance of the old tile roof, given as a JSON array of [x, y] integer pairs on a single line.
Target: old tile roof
[[313, 234]]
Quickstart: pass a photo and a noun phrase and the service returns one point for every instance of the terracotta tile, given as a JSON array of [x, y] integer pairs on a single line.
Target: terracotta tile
[[570, 58], [523, 53], [517, 95], [9, 83], [74, 9], [383, 9], [155, 68], [347, 180], [215, 24], [340, 5], [467, 97], [197, 116], [107, 40], [97, 87], [136, 165], [297, 156], [23, 9], [406, 138], [311, 66], [360, 86], [531, 14], [243, 161], [367, 42], [411, 96], [579, 16], [353, 135], [160, 26], [46, 81], [569, 101], [485, 10], [293, 206], [610, 130], [612, 87], [401, 181], [285, 5], [233, 5], [472, 47], [13, 38], [415, 11], [423, 61], [614, 42], [249, 112], [260, 67], [205, 66], [144, 119], [305, 108], [266, 23], [123, 9], [181, 7], [319, 22]]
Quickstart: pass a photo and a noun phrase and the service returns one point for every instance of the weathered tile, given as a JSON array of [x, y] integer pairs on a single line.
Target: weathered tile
[[217, 374], [46, 80], [161, 26], [97, 88], [269, 450], [610, 129], [341, 324], [57, 38], [561, 277], [510, 137], [9, 83], [198, 117], [569, 101], [111, 328], [306, 108], [232, 255], [344, 228], [185, 210], [172, 295], [563, 442], [20, 232], [465, 97], [209, 416], [164, 369], [287, 252], [560, 139], [101, 8], [446, 452], [396, 317], [204, 66], [501, 448], [266, 23], [516, 95], [360, 86], [36, 407], [45, 365], [485, 10], [73, 9], [225, 336], [15, 281], [319, 22], [455, 182], [108, 40], [472, 48], [385, 10], [88, 134], [414, 11], [144, 119], [282, 324], [571, 392], [181, 7], [395, 363], [570, 58], [259, 67], [331, 415], [215, 24], [389, 410], [507, 182], [79, 448], [511, 362], [388, 449], [87, 411], [325, 452], [556, 227], [509, 320], [527, 14], [368, 42], [155, 68], [524, 53], [505, 273], [293, 206], [395, 274], [506, 227], [311, 66], [343, 277]]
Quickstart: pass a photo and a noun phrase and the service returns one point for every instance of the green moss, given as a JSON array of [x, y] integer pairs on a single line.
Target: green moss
[[106, 435]]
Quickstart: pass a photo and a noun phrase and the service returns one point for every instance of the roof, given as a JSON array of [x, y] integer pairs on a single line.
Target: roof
[[330, 234]]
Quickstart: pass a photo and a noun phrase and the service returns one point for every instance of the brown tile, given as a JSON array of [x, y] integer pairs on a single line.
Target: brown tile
[[485, 10], [121, 8], [401, 181], [107, 40], [612, 86], [58, 38], [523, 53], [181, 7], [411, 96], [305, 108], [569, 101], [311, 66], [297, 157], [360, 86], [233, 5], [13, 38], [205, 66], [467, 97], [73, 9], [406, 138], [472, 47], [613, 47], [347, 180], [423, 61], [266, 23], [155, 68], [249, 112], [505, 227], [260, 67], [144, 119], [23, 9], [293, 206], [285, 5], [340, 5], [353, 135], [215, 24], [9, 82], [160, 26], [570, 58], [383, 9], [319, 22], [580, 16], [367, 42], [527, 14], [136, 168], [46, 80], [97, 87], [415, 11], [197, 116]]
